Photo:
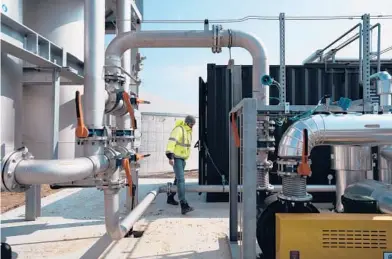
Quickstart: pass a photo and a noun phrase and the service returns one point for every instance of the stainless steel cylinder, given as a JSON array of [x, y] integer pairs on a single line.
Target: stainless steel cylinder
[[351, 164], [351, 158]]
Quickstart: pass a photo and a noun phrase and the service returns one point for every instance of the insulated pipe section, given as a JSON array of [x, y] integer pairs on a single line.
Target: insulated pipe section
[[372, 190], [59, 171], [387, 153], [336, 129], [194, 39]]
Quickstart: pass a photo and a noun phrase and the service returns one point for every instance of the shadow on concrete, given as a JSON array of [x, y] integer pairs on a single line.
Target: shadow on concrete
[[29, 229], [103, 247], [222, 252], [53, 241]]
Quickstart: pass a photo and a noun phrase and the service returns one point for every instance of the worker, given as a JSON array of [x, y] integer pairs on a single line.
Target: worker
[[177, 151]]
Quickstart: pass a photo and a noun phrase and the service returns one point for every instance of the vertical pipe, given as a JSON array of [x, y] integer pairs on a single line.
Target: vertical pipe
[[124, 15], [249, 170], [360, 53], [94, 59]]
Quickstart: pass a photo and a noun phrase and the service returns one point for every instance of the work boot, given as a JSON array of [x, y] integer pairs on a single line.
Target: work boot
[[171, 200], [185, 208]]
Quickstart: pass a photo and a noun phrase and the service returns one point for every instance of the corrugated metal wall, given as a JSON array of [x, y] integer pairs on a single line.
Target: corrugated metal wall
[[156, 129], [305, 85]]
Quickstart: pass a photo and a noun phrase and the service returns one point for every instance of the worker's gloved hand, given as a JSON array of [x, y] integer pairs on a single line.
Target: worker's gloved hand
[[171, 162]]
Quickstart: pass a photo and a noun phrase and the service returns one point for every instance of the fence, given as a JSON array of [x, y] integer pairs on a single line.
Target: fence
[[156, 129]]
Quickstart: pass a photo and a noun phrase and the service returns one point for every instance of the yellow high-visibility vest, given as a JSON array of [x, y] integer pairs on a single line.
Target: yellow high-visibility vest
[[180, 140]]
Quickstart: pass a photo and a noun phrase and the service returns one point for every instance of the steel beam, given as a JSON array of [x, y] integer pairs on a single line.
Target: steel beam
[[366, 58], [38, 51], [282, 65]]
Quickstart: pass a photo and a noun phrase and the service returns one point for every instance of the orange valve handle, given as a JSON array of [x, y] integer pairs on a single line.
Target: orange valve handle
[[127, 101], [141, 101], [81, 130], [127, 168], [236, 135], [139, 156], [304, 167]]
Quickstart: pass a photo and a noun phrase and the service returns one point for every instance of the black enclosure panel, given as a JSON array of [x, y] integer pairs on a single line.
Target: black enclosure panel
[[305, 85]]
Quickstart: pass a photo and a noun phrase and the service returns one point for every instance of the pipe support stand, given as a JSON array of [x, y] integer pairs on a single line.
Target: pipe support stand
[[9, 165]]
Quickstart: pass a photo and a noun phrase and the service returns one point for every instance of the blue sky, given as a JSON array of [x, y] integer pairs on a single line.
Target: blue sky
[[170, 76]]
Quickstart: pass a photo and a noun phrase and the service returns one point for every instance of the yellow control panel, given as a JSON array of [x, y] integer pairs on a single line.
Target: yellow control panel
[[333, 235]]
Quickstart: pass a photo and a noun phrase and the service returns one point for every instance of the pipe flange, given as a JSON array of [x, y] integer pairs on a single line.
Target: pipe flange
[[115, 77], [9, 164], [307, 197]]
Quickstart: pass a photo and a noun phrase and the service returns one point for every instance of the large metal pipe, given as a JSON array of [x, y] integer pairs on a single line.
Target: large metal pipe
[[195, 39], [336, 129], [372, 190], [59, 171], [94, 60]]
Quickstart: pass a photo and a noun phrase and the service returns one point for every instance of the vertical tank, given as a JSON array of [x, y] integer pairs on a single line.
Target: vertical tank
[[11, 87], [61, 22]]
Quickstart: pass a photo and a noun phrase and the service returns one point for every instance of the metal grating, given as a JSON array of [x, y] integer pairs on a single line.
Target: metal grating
[[349, 238]]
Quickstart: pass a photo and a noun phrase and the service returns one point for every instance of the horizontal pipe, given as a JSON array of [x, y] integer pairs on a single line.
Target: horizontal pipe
[[226, 188], [372, 190], [59, 171], [336, 129]]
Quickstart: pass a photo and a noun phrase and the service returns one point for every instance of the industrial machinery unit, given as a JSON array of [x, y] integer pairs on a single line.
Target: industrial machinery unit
[[92, 149]]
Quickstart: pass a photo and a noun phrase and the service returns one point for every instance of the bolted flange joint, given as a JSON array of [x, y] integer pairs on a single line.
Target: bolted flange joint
[[9, 164], [101, 136]]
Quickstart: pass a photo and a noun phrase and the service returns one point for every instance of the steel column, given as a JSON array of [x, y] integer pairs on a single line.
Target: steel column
[[248, 248], [366, 58], [282, 66], [236, 94]]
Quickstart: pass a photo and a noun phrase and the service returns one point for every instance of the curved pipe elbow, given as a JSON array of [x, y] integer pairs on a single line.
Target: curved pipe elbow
[[336, 129]]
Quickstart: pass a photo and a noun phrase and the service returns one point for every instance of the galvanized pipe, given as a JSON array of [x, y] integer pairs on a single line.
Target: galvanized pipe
[[124, 12], [336, 129], [59, 171], [94, 45], [194, 39], [226, 188]]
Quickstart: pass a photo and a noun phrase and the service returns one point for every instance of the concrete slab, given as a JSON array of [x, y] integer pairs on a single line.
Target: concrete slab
[[72, 226]]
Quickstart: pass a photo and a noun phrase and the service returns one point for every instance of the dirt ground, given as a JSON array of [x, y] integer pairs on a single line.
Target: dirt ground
[[11, 200]]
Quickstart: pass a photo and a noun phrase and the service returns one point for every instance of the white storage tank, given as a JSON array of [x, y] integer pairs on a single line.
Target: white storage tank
[[156, 129], [61, 22], [11, 86]]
